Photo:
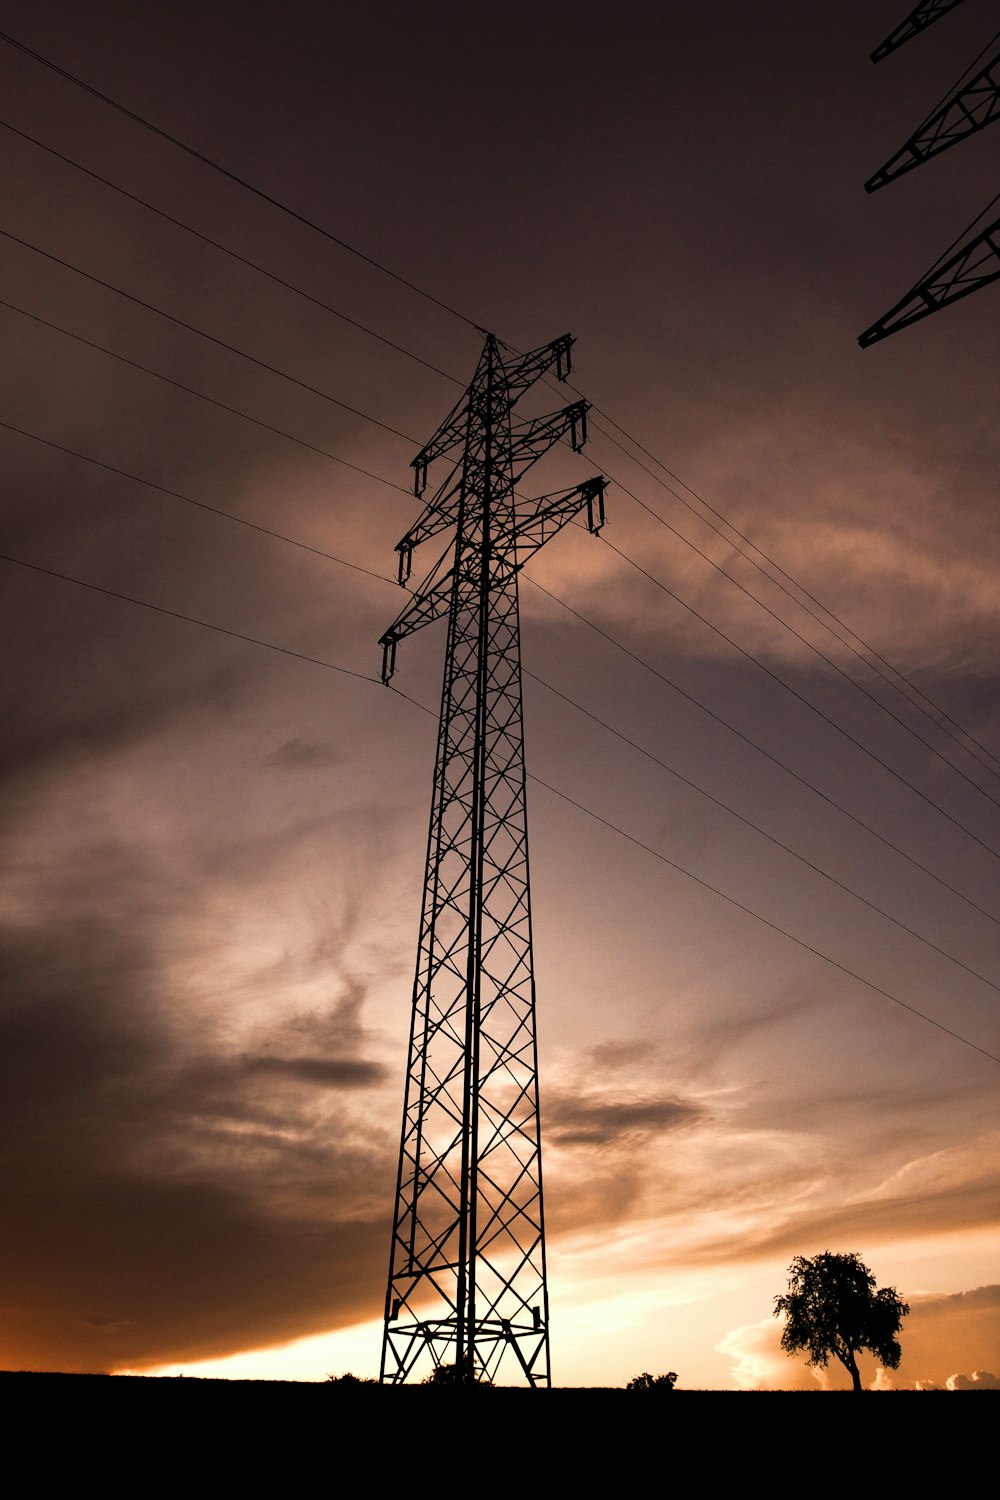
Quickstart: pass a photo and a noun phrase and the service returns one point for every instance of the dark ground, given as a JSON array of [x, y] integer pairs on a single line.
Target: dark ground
[[195, 1433]]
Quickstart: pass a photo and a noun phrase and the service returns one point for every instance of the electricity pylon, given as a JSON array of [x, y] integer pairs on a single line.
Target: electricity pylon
[[467, 1280], [922, 16], [974, 265], [971, 106]]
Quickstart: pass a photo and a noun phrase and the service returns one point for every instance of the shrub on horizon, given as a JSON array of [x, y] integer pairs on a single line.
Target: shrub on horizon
[[647, 1382], [449, 1375]]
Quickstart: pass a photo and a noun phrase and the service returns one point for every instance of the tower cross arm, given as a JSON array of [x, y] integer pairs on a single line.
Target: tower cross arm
[[438, 515], [972, 107], [536, 437], [518, 375], [975, 265], [449, 435], [552, 512], [918, 20], [522, 372], [426, 604]]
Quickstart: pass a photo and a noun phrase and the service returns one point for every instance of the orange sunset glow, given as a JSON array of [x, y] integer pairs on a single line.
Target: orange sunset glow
[[760, 708]]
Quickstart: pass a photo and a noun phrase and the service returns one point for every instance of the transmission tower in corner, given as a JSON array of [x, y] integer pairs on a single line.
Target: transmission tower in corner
[[467, 1287]]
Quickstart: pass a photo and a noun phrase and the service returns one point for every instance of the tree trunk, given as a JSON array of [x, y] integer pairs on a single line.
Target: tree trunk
[[850, 1364]]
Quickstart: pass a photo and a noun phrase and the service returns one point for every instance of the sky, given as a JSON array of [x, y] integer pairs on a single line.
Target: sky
[[212, 849]]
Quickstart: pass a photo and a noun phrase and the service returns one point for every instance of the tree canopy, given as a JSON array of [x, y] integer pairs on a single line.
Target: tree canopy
[[832, 1307], [647, 1382]]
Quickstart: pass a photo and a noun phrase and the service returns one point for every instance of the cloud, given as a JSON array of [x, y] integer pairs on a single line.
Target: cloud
[[170, 1195], [935, 1327], [972, 1165], [760, 1363], [979, 1380], [693, 1164], [894, 562], [605, 1116], [941, 1328], [328, 1072], [578, 1120], [297, 754]]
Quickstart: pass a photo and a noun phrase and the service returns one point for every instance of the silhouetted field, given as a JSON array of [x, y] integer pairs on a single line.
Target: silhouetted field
[[196, 1433]]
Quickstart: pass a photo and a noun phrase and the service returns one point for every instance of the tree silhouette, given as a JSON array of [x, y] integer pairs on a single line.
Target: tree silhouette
[[832, 1307], [647, 1382], [450, 1375]]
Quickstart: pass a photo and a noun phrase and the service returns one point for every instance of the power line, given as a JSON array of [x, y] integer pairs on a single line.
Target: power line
[[749, 823], [767, 754], [581, 807], [765, 921], [800, 697], [956, 86], [234, 177], [201, 504], [278, 431], [406, 437], [800, 942], [412, 286], [809, 644], [381, 578], [242, 182], [212, 400], [772, 563], [111, 468], [220, 343], [175, 614], [233, 254]]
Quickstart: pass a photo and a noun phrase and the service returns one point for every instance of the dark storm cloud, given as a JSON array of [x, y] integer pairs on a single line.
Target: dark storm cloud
[[595, 1101], [325, 1072], [184, 1181], [84, 722], [606, 1135], [165, 1202], [582, 1121], [298, 754]]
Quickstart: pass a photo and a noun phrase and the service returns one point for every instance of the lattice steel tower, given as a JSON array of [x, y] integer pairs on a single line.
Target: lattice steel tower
[[467, 1267]]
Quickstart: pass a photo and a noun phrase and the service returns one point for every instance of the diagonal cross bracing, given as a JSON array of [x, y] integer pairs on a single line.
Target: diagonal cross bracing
[[470, 1172], [974, 265], [918, 20], [972, 107]]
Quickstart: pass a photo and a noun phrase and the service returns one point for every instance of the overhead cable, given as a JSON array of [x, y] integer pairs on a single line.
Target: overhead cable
[[763, 833], [175, 614], [383, 578], [201, 504], [210, 337], [732, 900], [344, 244], [880, 660], [800, 697], [815, 649], [212, 400], [581, 807], [233, 177], [233, 254], [761, 750]]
